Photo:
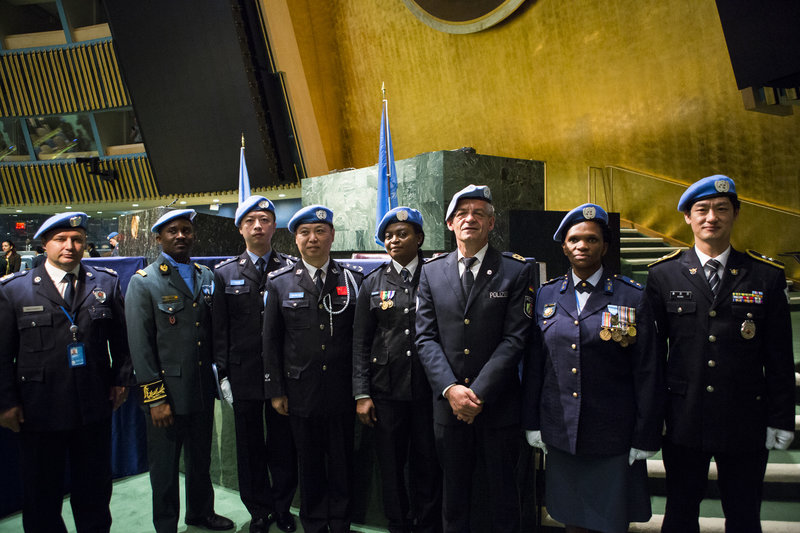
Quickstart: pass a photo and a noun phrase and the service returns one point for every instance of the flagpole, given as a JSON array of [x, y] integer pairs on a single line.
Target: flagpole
[[388, 176]]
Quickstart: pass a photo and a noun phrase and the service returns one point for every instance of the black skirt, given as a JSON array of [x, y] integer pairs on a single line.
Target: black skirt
[[602, 493]]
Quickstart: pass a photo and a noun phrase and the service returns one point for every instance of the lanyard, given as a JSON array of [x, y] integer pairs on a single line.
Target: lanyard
[[72, 328]]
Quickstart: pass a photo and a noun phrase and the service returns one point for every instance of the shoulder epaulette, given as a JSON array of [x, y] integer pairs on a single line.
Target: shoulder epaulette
[[8, 277], [201, 267], [225, 261], [629, 281], [142, 272], [667, 257], [353, 268], [557, 278], [106, 269], [514, 256], [764, 259], [436, 257], [288, 257], [378, 268], [287, 268]]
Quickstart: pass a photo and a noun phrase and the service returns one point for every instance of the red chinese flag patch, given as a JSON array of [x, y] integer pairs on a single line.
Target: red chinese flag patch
[[341, 291]]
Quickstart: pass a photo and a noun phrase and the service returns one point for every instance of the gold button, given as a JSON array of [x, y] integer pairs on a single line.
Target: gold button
[[374, 359], [710, 388], [749, 315], [466, 351], [466, 381], [680, 309], [194, 304], [320, 306], [576, 322], [169, 309], [712, 338], [323, 346], [197, 324], [574, 394], [322, 326], [324, 368], [199, 363], [544, 322], [574, 370], [574, 346], [466, 321], [405, 310], [712, 363], [758, 398], [199, 343], [712, 313]]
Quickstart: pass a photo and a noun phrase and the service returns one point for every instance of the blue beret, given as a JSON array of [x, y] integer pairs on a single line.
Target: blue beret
[[480, 192], [169, 216], [582, 213], [716, 185], [398, 214], [252, 203], [311, 215], [71, 220], [112, 235]]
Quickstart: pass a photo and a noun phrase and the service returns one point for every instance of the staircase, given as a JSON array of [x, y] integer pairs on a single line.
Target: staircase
[[780, 510]]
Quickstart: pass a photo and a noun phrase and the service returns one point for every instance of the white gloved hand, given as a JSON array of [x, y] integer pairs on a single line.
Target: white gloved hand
[[534, 438], [779, 439], [225, 387], [638, 455]]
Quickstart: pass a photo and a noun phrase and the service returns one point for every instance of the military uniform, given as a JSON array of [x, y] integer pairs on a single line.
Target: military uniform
[[66, 408], [170, 341], [308, 357], [387, 369], [729, 375], [477, 343], [237, 312]]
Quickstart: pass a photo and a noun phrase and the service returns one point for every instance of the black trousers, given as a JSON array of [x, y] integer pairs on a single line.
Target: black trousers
[[192, 433], [258, 458], [43, 459], [404, 434], [325, 453], [740, 479], [459, 448]]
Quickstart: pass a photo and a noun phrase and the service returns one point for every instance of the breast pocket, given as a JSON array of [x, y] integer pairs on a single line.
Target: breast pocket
[[297, 314], [237, 297], [36, 332], [100, 313], [169, 311]]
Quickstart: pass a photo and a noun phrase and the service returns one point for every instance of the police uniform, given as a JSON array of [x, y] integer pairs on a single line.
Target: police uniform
[[237, 313], [387, 369], [170, 341], [308, 357], [729, 373], [476, 343], [64, 395]]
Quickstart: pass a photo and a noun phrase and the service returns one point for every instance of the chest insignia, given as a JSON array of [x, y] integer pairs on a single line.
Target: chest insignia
[[100, 295], [386, 299], [693, 271], [734, 271], [169, 298], [680, 295], [549, 310], [296, 295], [754, 297]]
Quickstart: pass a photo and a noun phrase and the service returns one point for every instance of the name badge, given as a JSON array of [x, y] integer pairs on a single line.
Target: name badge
[[295, 295], [235, 282], [77, 357], [33, 309]]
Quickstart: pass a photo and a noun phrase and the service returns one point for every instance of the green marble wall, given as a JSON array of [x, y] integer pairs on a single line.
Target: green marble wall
[[427, 182]]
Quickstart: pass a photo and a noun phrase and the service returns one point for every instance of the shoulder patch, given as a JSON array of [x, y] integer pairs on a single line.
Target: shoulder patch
[[141, 272], [225, 262], [667, 257], [353, 268], [515, 256], [629, 281], [274, 273], [8, 277], [764, 259], [106, 269]]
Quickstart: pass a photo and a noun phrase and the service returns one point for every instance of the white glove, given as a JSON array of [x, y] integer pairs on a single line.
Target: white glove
[[638, 455], [779, 439], [534, 438], [225, 387]]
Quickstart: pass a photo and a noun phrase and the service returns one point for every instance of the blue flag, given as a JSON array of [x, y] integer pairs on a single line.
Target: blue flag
[[387, 173], [244, 178]]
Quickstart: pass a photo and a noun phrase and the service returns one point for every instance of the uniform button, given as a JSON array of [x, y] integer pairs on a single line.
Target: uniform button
[[405, 310], [168, 308], [262, 312], [323, 346], [574, 394], [576, 322], [466, 321], [758, 398], [324, 368], [712, 313], [33, 324], [712, 363], [574, 370], [466, 381], [194, 304], [374, 359], [466, 351], [199, 363], [322, 326], [710, 388], [199, 343], [574, 346], [680, 309], [408, 353], [236, 291], [320, 306], [749, 315], [712, 338], [163, 372], [544, 322], [406, 291], [407, 332], [23, 377], [197, 324]]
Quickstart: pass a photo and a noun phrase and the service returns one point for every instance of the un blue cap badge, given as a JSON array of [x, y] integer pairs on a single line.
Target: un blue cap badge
[[263, 204], [75, 221], [402, 215], [320, 214], [722, 185], [589, 212]]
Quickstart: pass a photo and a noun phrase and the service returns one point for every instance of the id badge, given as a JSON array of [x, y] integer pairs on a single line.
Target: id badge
[[76, 355]]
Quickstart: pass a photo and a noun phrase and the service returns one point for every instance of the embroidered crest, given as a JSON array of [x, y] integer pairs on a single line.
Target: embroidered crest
[[722, 186], [549, 310], [99, 295], [402, 215], [320, 214], [263, 204], [589, 212], [75, 221]]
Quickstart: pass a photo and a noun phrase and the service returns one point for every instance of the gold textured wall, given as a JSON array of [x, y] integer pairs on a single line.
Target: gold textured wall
[[641, 84]]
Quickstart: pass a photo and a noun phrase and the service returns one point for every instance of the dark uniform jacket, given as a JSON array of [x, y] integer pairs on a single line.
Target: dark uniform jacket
[[385, 361], [34, 334], [477, 343], [724, 384], [237, 313], [169, 332], [302, 360], [586, 395]]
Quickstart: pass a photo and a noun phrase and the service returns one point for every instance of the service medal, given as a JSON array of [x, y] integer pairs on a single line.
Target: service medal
[[623, 341], [605, 334], [748, 329], [631, 331], [616, 335]]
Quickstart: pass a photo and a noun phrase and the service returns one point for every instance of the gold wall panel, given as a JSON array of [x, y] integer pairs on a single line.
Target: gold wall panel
[[642, 84], [61, 80]]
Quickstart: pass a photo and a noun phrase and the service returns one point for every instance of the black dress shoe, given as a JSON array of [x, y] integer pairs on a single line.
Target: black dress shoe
[[285, 522], [261, 525], [213, 522]]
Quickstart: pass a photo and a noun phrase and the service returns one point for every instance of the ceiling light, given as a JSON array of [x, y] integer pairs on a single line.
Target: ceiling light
[[215, 200], [281, 195], [135, 205], [67, 207], [183, 202]]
